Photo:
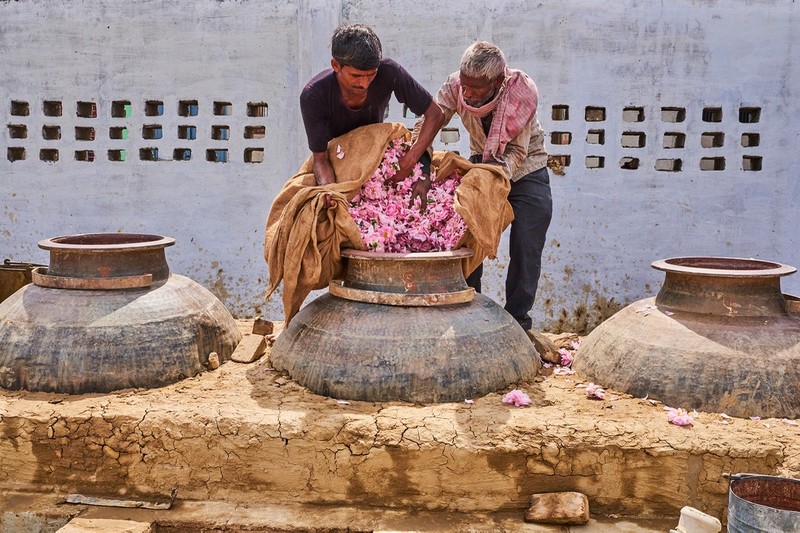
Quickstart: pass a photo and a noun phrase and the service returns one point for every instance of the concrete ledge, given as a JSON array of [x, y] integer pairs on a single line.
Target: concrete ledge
[[248, 434]]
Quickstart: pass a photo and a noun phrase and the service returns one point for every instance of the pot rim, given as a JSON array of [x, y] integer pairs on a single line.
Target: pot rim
[[92, 242], [704, 266], [460, 253]]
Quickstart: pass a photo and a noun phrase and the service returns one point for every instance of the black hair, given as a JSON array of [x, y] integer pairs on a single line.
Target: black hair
[[356, 46]]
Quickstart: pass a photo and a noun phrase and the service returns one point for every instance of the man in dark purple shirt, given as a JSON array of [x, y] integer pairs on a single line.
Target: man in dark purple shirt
[[356, 92]]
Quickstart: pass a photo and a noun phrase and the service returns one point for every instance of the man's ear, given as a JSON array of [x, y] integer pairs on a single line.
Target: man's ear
[[335, 66]]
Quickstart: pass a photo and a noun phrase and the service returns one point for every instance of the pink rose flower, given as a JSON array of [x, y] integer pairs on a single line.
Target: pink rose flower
[[517, 398]]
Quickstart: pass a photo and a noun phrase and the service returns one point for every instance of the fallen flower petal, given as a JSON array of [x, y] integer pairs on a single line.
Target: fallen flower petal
[[679, 417], [339, 151], [517, 398], [595, 391], [342, 402], [567, 357], [788, 422], [755, 418], [469, 402]]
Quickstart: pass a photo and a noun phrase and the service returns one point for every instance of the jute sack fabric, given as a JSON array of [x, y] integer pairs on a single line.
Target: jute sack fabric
[[304, 238]]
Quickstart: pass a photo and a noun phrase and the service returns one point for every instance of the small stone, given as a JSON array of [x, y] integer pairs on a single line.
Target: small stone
[[558, 508], [250, 348], [213, 361], [564, 340], [262, 326], [547, 350]]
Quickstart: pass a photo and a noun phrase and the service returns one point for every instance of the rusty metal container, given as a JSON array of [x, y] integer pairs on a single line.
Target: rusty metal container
[[107, 314], [14, 276], [404, 327], [719, 336], [763, 504]]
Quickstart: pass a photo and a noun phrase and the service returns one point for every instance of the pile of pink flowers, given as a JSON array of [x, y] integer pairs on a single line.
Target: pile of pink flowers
[[389, 224]]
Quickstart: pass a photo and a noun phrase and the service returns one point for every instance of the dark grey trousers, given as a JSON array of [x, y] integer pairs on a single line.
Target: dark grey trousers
[[532, 202]]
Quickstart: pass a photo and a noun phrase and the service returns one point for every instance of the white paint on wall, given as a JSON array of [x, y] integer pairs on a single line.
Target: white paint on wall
[[609, 223]]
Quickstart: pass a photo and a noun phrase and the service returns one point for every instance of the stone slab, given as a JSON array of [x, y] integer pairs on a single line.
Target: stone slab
[[105, 525]]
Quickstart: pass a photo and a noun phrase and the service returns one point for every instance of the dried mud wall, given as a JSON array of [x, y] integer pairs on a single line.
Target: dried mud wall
[[676, 124]]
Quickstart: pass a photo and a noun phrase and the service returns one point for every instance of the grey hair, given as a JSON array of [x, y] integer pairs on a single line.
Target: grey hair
[[356, 46], [483, 60]]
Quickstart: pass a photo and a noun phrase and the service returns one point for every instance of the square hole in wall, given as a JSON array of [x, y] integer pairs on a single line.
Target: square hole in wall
[[118, 132], [669, 165], [257, 109], [86, 110], [149, 153], [152, 131], [450, 135], [217, 155], [749, 115], [255, 132], [223, 109], [629, 163], [560, 112], [751, 139], [220, 133], [673, 139], [751, 163], [52, 108], [633, 139], [712, 163], [595, 161], [17, 131], [182, 154], [596, 137], [187, 132], [673, 114], [121, 109], [712, 114], [15, 153], [20, 108], [188, 108], [253, 155], [595, 114], [84, 155], [560, 137], [712, 139], [117, 155], [633, 114], [49, 155], [154, 108], [51, 133], [83, 133]]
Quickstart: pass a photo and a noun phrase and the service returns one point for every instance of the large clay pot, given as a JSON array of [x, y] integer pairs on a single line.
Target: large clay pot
[[107, 315], [719, 336], [404, 327]]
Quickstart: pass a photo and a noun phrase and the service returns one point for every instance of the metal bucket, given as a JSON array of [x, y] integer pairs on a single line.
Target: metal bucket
[[14, 276], [759, 503]]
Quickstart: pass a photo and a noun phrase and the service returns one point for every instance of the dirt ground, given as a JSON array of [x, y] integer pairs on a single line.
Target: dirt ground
[[247, 434]]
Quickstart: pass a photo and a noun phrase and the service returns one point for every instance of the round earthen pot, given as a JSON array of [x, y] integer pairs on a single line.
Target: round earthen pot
[[404, 327], [719, 336], [108, 315]]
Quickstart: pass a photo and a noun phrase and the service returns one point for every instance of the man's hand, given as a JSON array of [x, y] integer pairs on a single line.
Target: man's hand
[[420, 190], [406, 163]]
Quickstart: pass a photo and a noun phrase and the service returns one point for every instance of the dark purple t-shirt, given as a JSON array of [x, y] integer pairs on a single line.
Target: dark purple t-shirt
[[326, 116]]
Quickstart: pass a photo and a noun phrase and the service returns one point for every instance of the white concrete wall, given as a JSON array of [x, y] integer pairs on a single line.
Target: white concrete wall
[[609, 223]]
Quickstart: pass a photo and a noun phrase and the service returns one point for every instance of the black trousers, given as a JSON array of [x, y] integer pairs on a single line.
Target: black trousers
[[532, 202]]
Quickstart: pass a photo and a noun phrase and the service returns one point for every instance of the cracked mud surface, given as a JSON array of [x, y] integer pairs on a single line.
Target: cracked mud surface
[[247, 433]]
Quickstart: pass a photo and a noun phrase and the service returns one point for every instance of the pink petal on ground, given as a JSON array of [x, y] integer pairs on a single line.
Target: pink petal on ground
[[469, 402], [755, 418], [595, 391], [787, 422], [517, 398]]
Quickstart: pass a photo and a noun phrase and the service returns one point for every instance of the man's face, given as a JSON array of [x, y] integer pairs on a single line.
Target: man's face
[[478, 91], [352, 80]]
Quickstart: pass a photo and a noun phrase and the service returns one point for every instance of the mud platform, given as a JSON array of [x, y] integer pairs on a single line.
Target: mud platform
[[244, 439]]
